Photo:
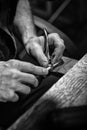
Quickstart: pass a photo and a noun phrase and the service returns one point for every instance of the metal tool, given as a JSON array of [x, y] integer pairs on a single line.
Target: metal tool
[[51, 66], [47, 46]]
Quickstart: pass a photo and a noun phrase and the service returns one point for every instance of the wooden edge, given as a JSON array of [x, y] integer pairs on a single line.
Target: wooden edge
[[69, 91]]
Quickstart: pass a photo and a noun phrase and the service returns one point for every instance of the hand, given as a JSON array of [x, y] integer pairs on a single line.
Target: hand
[[36, 47], [14, 75]]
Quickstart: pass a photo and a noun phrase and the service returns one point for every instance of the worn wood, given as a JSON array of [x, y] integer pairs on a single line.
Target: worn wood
[[70, 90], [68, 64]]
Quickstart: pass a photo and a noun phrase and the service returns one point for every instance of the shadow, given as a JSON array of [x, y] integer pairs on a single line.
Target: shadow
[[46, 115]]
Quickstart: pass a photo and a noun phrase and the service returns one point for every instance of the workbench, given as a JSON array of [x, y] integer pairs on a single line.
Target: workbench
[[58, 93], [69, 91]]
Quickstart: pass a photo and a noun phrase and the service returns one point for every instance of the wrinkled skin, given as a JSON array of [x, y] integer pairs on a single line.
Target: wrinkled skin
[[36, 47], [13, 76]]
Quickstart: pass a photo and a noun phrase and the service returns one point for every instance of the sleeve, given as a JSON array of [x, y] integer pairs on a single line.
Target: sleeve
[[7, 11], [12, 9]]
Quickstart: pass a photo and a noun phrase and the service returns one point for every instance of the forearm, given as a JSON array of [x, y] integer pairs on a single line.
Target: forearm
[[24, 21]]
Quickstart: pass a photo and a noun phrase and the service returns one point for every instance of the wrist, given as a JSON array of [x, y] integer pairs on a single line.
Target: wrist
[[26, 32], [27, 37], [29, 43]]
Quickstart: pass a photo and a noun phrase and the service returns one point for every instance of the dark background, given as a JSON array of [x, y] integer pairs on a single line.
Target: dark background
[[72, 20]]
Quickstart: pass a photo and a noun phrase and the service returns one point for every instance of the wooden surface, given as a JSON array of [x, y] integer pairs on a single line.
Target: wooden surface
[[68, 64], [66, 92]]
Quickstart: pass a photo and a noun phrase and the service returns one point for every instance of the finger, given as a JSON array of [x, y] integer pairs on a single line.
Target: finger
[[13, 96], [57, 55], [40, 56], [17, 75], [55, 39], [27, 78], [17, 86], [29, 67], [59, 46], [39, 52], [42, 59], [8, 95], [36, 49], [22, 88]]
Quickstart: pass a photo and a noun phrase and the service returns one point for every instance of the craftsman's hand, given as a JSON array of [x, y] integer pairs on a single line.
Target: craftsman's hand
[[36, 47], [15, 76]]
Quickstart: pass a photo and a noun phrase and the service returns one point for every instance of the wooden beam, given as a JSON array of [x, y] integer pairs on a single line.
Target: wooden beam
[[69, 91]]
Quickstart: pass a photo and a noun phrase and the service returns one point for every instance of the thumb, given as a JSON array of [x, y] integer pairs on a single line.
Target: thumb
[[40, 56]]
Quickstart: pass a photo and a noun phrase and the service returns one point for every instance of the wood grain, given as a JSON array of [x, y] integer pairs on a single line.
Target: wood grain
[[69, 91], [68, 64]]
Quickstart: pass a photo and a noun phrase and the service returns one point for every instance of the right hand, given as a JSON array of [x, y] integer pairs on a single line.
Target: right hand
[[14, 75], [35, 46]]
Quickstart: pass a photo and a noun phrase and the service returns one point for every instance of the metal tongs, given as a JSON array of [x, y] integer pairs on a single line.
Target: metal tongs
[[51, 66]]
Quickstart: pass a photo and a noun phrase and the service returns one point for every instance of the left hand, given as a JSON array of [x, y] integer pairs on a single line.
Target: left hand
[[36, 47]]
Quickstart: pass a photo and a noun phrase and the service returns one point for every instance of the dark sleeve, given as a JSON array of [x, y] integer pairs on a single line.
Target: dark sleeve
[[7, 11], [12, 9]]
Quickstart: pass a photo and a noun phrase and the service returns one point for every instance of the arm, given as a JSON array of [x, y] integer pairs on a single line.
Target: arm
[[23, 20], [34, 44]]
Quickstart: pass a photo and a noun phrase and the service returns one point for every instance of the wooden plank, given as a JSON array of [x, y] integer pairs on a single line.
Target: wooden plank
[[70, 90], [68, 64]]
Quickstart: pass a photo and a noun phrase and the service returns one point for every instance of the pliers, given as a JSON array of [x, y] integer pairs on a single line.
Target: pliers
[[51, 66]]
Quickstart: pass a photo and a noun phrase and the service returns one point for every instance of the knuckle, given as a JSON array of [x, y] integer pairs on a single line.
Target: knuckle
[[14, 63], [59, 40], [6, 73], [33, 68], [10, 73], [56, 35], [35, 42], [35, 47], [3, 66], [14, 74], [34, 39], [11, 61], [13, 84]]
